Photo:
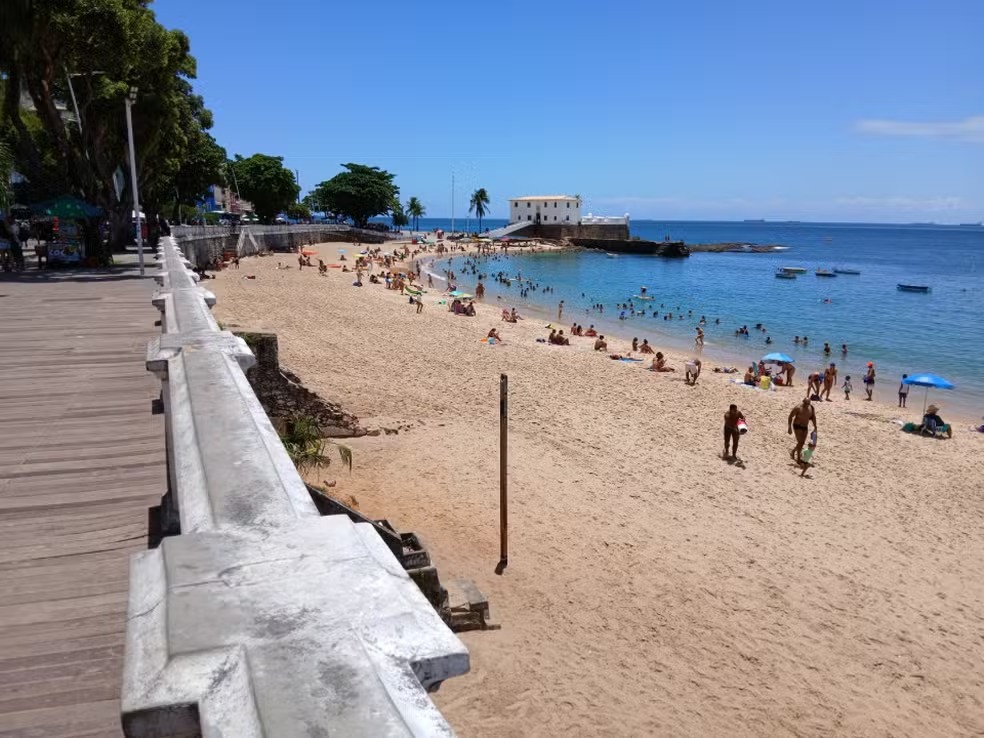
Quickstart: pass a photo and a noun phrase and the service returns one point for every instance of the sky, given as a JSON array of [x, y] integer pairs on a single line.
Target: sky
[[841, 110]]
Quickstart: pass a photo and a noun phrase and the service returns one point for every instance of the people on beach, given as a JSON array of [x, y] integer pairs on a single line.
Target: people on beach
[[750, 377], [494, 334], [731, 433], [789, 370], [932, 423], [645, 348], [829, 379], [805, 460], [693, 371], [903, 391], [699, 340], [591, 332], [659, 364], [813, 384], [799, 421], [869, 381], [847, 388], [600, 344]]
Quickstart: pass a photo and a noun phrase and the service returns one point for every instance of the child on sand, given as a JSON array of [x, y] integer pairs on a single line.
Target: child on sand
[[847, 388], [806, 456]]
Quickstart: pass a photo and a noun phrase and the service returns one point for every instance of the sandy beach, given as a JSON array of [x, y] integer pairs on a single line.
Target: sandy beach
[[652, 588]]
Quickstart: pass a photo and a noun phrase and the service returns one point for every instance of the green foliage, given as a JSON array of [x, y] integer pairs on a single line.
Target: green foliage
[[6, 167], [400, 218], [298, 211], [264, 181], [479, 204], [359, 193], [106, 47], [415, 210], [306, 446]]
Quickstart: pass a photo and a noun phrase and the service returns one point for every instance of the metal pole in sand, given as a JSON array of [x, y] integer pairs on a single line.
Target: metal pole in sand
[[503, 496]]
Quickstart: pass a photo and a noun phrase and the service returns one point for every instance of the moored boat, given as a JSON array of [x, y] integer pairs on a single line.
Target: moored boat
[[793, 270], [846, 271], [913, 287], [780, 274], [825, 273]]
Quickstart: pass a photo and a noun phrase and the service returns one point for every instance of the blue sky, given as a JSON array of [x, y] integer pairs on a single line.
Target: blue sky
[[840, 110]]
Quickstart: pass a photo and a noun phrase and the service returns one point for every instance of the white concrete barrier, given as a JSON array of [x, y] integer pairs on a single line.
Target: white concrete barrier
[[263, 618]]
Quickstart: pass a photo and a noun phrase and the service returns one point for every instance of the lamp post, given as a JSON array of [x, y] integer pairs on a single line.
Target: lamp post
[[130, 99]]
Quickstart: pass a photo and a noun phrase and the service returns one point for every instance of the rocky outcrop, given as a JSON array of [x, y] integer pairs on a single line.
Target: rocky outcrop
[[284, 396]]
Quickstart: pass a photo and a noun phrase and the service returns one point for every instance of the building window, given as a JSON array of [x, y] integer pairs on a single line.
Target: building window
[[567, 217], [527, 204], [555, 203], [568, 205], [555, 217], [529, 217]]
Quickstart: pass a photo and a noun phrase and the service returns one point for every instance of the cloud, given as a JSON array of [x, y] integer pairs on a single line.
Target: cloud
[[937, 204], [968, 129]]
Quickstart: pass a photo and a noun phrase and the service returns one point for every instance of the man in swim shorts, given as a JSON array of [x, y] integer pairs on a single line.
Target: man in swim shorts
[[799, 420], [731, 434]]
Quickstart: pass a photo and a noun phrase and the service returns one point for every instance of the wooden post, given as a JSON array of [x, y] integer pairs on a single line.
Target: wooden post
[[503, 481]]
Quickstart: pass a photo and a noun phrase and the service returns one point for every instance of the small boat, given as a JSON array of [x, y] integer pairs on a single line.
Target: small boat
[[641, 297], [846, 271], [825, 273], [780, 274], [611, 256], [913, 288], [793, 270]]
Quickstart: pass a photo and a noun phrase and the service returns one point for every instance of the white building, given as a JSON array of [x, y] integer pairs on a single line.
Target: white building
[[552, 209]]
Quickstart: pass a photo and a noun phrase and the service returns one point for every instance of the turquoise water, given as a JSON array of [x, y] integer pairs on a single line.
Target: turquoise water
[[940, 332]]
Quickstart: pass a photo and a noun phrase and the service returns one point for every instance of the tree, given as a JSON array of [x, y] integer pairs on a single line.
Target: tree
[[416, 211], [298, 211], [107, 48], [400, 218], [265, 182], [6, 167], [479, 204], [359, 193]]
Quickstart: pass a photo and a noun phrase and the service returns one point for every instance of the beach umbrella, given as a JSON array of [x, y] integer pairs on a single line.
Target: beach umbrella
[[779, 357], [928, 381]]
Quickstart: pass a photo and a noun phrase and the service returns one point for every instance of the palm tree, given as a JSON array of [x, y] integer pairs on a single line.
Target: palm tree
[[415, 210], [479, 204]]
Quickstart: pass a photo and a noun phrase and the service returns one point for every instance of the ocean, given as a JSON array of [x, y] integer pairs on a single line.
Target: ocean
[[941, 332]]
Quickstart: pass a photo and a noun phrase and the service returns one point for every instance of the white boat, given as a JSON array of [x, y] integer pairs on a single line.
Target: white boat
[[793, 270]]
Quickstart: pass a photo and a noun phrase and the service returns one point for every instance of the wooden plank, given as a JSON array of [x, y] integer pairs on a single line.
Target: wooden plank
[[82, 460]]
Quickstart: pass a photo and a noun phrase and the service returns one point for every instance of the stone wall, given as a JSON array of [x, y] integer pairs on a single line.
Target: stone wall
[[262, 617], [557, 232], [283, 395]]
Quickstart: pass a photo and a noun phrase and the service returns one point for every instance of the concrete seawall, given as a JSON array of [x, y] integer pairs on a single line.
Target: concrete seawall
[[256, 616], [202, 245]]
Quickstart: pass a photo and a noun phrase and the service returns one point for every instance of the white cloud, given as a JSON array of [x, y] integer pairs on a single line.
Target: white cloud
[[968, 129]]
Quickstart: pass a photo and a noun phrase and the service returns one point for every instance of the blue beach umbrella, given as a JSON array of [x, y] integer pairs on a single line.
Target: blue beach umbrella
[[779, 356], [928, 380]]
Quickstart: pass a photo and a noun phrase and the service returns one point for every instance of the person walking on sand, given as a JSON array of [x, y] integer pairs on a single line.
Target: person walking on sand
[[560, 311], [869, 381], [731, 433], [799, 421], [847, 388], [829, 379], [903, 391]]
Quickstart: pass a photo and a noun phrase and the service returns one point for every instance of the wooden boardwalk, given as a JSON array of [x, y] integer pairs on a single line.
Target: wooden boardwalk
[[81, 461]]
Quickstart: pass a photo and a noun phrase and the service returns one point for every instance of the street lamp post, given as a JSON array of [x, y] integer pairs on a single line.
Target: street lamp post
[[130, 99]]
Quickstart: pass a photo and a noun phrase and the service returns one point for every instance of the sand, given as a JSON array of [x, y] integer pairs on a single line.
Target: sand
[[652, 587]]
